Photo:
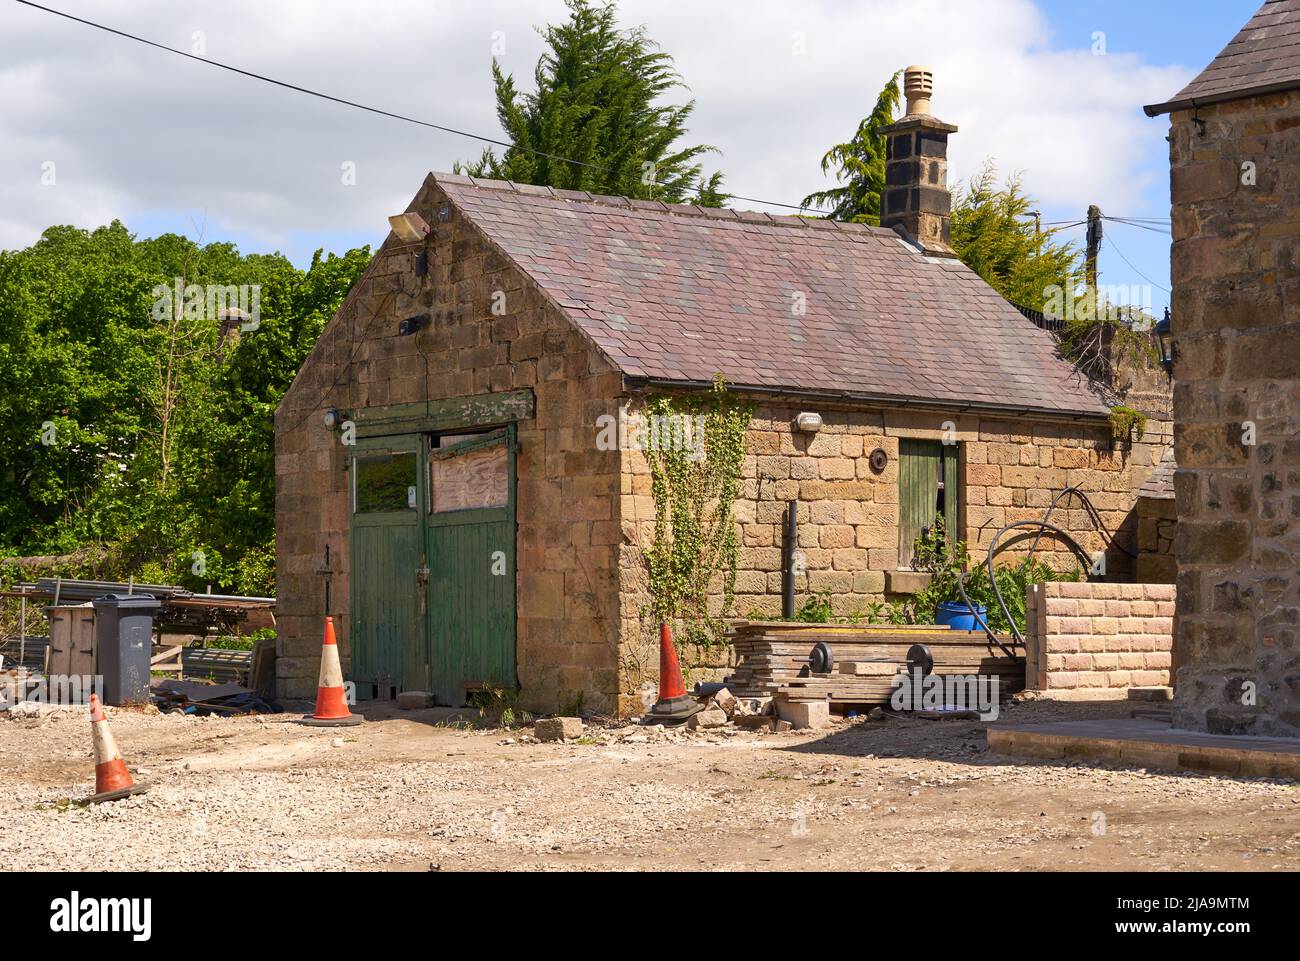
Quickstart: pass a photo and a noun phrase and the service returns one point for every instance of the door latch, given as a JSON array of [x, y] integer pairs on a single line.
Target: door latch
[[421, 582]]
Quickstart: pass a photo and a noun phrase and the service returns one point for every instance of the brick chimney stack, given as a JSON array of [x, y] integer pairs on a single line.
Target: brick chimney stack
[[916, 196]]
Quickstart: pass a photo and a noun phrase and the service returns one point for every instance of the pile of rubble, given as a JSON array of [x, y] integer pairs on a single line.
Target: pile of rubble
[[768, 714], [722, 714], [722, 708]]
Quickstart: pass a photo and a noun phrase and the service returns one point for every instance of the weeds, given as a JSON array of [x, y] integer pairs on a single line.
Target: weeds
[[500, 707]]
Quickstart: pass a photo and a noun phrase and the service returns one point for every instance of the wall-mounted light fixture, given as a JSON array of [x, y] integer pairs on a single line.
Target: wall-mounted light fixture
[[409, 228], [1165, 339], [332, 418], [412, 325], [808, 422]]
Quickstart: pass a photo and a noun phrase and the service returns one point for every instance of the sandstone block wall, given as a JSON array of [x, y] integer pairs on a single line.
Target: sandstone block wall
[[1236, 321], [849, 514], [1098, 635], [1157, 528]]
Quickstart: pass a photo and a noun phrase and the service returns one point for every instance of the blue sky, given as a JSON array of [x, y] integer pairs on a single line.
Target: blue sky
[[1190, 34], [166, 144]]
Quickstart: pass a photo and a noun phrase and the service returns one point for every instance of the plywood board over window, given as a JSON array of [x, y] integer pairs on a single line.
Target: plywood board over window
[[927, 491], [470, 476]]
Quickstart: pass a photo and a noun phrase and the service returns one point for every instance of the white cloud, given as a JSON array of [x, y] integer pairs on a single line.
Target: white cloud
[[135, 132]]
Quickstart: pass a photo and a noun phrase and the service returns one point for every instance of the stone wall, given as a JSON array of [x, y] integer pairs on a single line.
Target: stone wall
[[849, 514], [567, 491], [1236, 321], [1157, 529], [1097, 635]]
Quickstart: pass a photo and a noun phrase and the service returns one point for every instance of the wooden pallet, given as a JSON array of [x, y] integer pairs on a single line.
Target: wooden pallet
[[217, 664], [773, 659]]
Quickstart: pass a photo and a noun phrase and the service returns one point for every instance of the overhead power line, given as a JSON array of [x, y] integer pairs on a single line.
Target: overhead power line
[[1130, 221], [1133, 223], [366, 107], [1115, 247]]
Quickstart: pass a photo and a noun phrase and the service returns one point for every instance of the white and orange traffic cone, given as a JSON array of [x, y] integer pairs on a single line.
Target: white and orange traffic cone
[[331, 699], [112, 780]]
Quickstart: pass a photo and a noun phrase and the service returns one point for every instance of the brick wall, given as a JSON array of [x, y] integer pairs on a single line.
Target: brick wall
[[1098, 635], [1236, 321], [569, 530]]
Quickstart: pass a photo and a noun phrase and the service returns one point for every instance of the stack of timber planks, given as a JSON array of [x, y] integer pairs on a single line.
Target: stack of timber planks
[[773, 659]]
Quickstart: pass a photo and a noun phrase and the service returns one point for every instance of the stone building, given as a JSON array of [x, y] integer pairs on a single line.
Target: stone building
[[1235, 158], [442, 487], [1157, 523]]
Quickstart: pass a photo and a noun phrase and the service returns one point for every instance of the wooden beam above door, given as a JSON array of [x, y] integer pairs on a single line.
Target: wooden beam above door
[[455, 413]]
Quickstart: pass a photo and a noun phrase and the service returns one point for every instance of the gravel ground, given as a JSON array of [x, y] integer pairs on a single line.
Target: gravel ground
[[401, 793]]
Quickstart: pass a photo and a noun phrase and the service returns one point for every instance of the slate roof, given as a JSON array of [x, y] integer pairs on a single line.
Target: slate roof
[[1263, 58], [679, 293], [1160, 484]]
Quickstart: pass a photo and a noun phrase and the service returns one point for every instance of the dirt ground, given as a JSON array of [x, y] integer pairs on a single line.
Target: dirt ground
[[401, 793]]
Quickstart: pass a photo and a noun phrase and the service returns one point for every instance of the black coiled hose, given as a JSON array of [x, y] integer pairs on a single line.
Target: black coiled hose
[[1043, 526]]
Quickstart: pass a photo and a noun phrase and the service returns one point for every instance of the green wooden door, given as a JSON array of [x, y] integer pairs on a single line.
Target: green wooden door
[[387, 625], [471, 553], [928, 488]]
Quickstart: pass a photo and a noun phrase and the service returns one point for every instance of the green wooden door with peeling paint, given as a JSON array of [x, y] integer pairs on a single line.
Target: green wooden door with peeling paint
[[470, 545], [386, 626]]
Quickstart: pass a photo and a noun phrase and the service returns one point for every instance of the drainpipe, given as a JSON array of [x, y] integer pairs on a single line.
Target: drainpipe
[[789, 544]]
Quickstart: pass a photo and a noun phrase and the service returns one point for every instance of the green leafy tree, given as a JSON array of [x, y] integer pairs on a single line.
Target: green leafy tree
[[138, 435], [992, 228], [859, 165], [994, 233], [599, 103]]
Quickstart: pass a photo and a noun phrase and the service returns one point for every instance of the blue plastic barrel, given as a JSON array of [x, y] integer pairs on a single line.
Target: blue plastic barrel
[[958, 616]]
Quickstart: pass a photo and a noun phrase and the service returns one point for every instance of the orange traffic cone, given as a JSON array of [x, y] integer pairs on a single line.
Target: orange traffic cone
[[112, 780], [673, 706], [331, 701]]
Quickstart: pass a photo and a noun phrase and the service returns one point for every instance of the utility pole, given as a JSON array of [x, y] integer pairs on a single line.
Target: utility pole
[[1094, 245]]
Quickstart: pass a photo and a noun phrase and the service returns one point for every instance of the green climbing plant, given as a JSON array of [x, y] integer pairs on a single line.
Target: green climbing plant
[[1125, 422], [695, 446]]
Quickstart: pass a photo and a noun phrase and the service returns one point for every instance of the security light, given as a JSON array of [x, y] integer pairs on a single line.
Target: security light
[[808, 422], [412, 325], [410, 228], [331, 418]]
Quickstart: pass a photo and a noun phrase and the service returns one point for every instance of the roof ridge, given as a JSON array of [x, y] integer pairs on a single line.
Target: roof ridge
[[658, 206], [677, 293]]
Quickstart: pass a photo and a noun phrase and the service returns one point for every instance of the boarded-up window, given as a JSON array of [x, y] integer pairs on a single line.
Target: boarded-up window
[[474, 478], [927, 490], [384, 482]]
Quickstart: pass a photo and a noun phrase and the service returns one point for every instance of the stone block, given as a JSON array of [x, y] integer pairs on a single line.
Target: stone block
[[725, 701], [710, 718], [557, 728], [906, 582], [414, 700], [868, 668], [805, 715]]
